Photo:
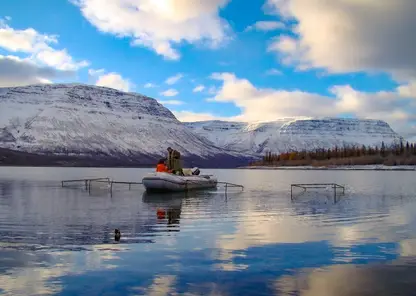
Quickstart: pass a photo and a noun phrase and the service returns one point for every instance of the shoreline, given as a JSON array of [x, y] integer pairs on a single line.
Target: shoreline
[[338, 168], [102, 167], [281, 168]]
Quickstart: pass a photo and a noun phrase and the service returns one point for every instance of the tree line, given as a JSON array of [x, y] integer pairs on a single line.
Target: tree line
[[395, 154]]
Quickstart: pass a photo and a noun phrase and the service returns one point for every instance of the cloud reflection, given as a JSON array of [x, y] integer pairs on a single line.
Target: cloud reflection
[[350, 280], [161, 285], [27, 276], [40, 272], [359, 220]]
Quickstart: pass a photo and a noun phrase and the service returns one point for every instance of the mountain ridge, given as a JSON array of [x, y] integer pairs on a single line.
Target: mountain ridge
[[296, 134], [91, 122]]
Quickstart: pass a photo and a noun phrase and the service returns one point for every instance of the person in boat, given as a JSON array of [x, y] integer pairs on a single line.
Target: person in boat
[[170, 158], [161, 166], [176, 163]]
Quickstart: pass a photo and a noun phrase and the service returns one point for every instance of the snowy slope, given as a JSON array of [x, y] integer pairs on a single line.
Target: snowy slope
[[74, 119], [295, 134]]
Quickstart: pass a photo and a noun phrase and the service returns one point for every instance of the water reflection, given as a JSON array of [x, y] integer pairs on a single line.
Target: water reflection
[[48, 215], [6, 188], [169, 208], [256, 242], [396, 278]]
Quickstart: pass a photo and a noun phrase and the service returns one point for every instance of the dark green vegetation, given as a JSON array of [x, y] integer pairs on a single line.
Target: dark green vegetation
[[401, 154]]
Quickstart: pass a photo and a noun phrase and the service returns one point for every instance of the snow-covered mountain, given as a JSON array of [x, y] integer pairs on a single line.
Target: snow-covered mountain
[[97, 122], [295, 134], [75, 119]]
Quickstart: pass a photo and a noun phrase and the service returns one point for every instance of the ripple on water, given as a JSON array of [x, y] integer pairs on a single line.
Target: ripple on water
[[56, 240]]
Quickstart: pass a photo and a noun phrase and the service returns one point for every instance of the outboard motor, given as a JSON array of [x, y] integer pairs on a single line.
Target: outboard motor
[[195, 171]]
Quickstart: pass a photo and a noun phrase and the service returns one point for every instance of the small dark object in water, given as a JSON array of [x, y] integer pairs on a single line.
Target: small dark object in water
[[117, 235]]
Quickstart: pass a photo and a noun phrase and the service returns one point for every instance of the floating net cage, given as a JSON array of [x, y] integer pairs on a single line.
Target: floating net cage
[[316, 191], [88, 184], [95, 184]]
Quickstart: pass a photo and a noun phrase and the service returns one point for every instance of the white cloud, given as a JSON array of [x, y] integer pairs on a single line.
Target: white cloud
[[349, 35], [39, 46], [408, 90], [269, 104], [170, 93], [28, 40], [273, 72], [116, 81], [380, 104], [171, 102], [174, 79], [150, 85], [199, 88], [265, 104], [189, 116], [111, 80], [15, 71], [159, 25], [94, 72], [266, 26], [59, 59]]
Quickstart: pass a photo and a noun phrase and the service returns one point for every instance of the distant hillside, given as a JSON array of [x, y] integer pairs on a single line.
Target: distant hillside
[[295, 134]]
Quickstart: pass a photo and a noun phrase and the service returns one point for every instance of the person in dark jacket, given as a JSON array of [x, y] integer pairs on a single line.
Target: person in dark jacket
[[170, 158], [177, 163]]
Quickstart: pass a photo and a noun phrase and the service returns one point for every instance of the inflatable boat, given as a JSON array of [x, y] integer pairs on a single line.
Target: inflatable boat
[[165, 182]]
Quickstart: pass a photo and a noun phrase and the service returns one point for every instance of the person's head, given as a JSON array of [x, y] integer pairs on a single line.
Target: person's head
[[170, 149], [161, 161]]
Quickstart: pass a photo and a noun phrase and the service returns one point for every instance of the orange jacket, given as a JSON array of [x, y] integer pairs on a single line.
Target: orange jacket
[[161, 168]]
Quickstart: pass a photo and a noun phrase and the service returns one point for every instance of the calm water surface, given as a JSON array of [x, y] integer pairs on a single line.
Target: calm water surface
[[60, 241]]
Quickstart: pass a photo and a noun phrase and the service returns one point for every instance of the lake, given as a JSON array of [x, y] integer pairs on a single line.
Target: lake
[[60, 241]]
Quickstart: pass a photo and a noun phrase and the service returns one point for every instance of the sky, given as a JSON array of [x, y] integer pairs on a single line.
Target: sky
[[235, 60]]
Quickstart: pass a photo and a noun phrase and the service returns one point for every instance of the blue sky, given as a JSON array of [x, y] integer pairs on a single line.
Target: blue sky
[[252, 60]]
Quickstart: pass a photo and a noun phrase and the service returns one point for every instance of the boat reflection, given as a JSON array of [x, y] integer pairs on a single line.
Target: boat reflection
[[168, 208]]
